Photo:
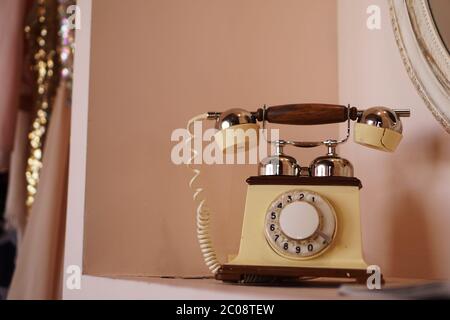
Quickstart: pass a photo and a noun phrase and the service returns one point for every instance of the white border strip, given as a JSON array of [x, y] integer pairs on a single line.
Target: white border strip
[[78, 144]]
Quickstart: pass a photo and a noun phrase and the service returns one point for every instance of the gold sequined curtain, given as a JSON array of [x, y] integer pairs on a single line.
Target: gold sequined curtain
[[42, 38], [39, 267]]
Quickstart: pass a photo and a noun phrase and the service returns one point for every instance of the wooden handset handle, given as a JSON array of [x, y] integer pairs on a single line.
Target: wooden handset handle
[[307, 114]]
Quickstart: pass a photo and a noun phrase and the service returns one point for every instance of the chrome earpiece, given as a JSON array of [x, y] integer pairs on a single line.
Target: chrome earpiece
[[380, 128]]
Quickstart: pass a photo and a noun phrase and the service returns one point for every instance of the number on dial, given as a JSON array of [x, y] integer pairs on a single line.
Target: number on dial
[[300, 224]]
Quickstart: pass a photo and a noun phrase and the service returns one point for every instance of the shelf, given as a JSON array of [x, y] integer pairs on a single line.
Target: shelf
[[208, 289]]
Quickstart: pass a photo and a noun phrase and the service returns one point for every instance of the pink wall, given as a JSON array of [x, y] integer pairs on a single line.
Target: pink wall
[[154, 65], [406, 195]]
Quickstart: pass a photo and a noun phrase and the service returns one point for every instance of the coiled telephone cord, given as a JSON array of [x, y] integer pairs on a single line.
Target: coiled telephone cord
[[203, 212]]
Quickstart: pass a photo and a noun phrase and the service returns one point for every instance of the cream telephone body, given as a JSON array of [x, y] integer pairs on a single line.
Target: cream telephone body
[[299, 222]]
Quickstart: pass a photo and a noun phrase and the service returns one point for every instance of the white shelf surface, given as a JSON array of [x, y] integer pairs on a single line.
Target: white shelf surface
[[205, 289]]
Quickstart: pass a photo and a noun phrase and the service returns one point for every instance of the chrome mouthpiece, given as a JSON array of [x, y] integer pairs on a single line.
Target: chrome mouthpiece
[[236, 129]]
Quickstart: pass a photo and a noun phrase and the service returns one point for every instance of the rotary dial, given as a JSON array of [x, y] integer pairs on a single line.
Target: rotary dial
[[300, 224]]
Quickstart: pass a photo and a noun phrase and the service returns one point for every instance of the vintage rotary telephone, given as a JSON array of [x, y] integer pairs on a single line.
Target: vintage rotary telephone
[[299, 222]]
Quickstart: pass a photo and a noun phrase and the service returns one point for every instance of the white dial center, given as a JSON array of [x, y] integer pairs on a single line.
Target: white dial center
[[299, 220]]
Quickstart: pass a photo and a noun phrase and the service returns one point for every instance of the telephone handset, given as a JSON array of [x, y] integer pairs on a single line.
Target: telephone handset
[[299, 222]]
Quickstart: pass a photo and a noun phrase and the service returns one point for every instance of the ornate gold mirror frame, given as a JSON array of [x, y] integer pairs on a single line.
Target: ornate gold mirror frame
[[424, 54]]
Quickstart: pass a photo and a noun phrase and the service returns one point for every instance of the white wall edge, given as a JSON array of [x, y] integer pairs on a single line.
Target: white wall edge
[[73, 254]]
